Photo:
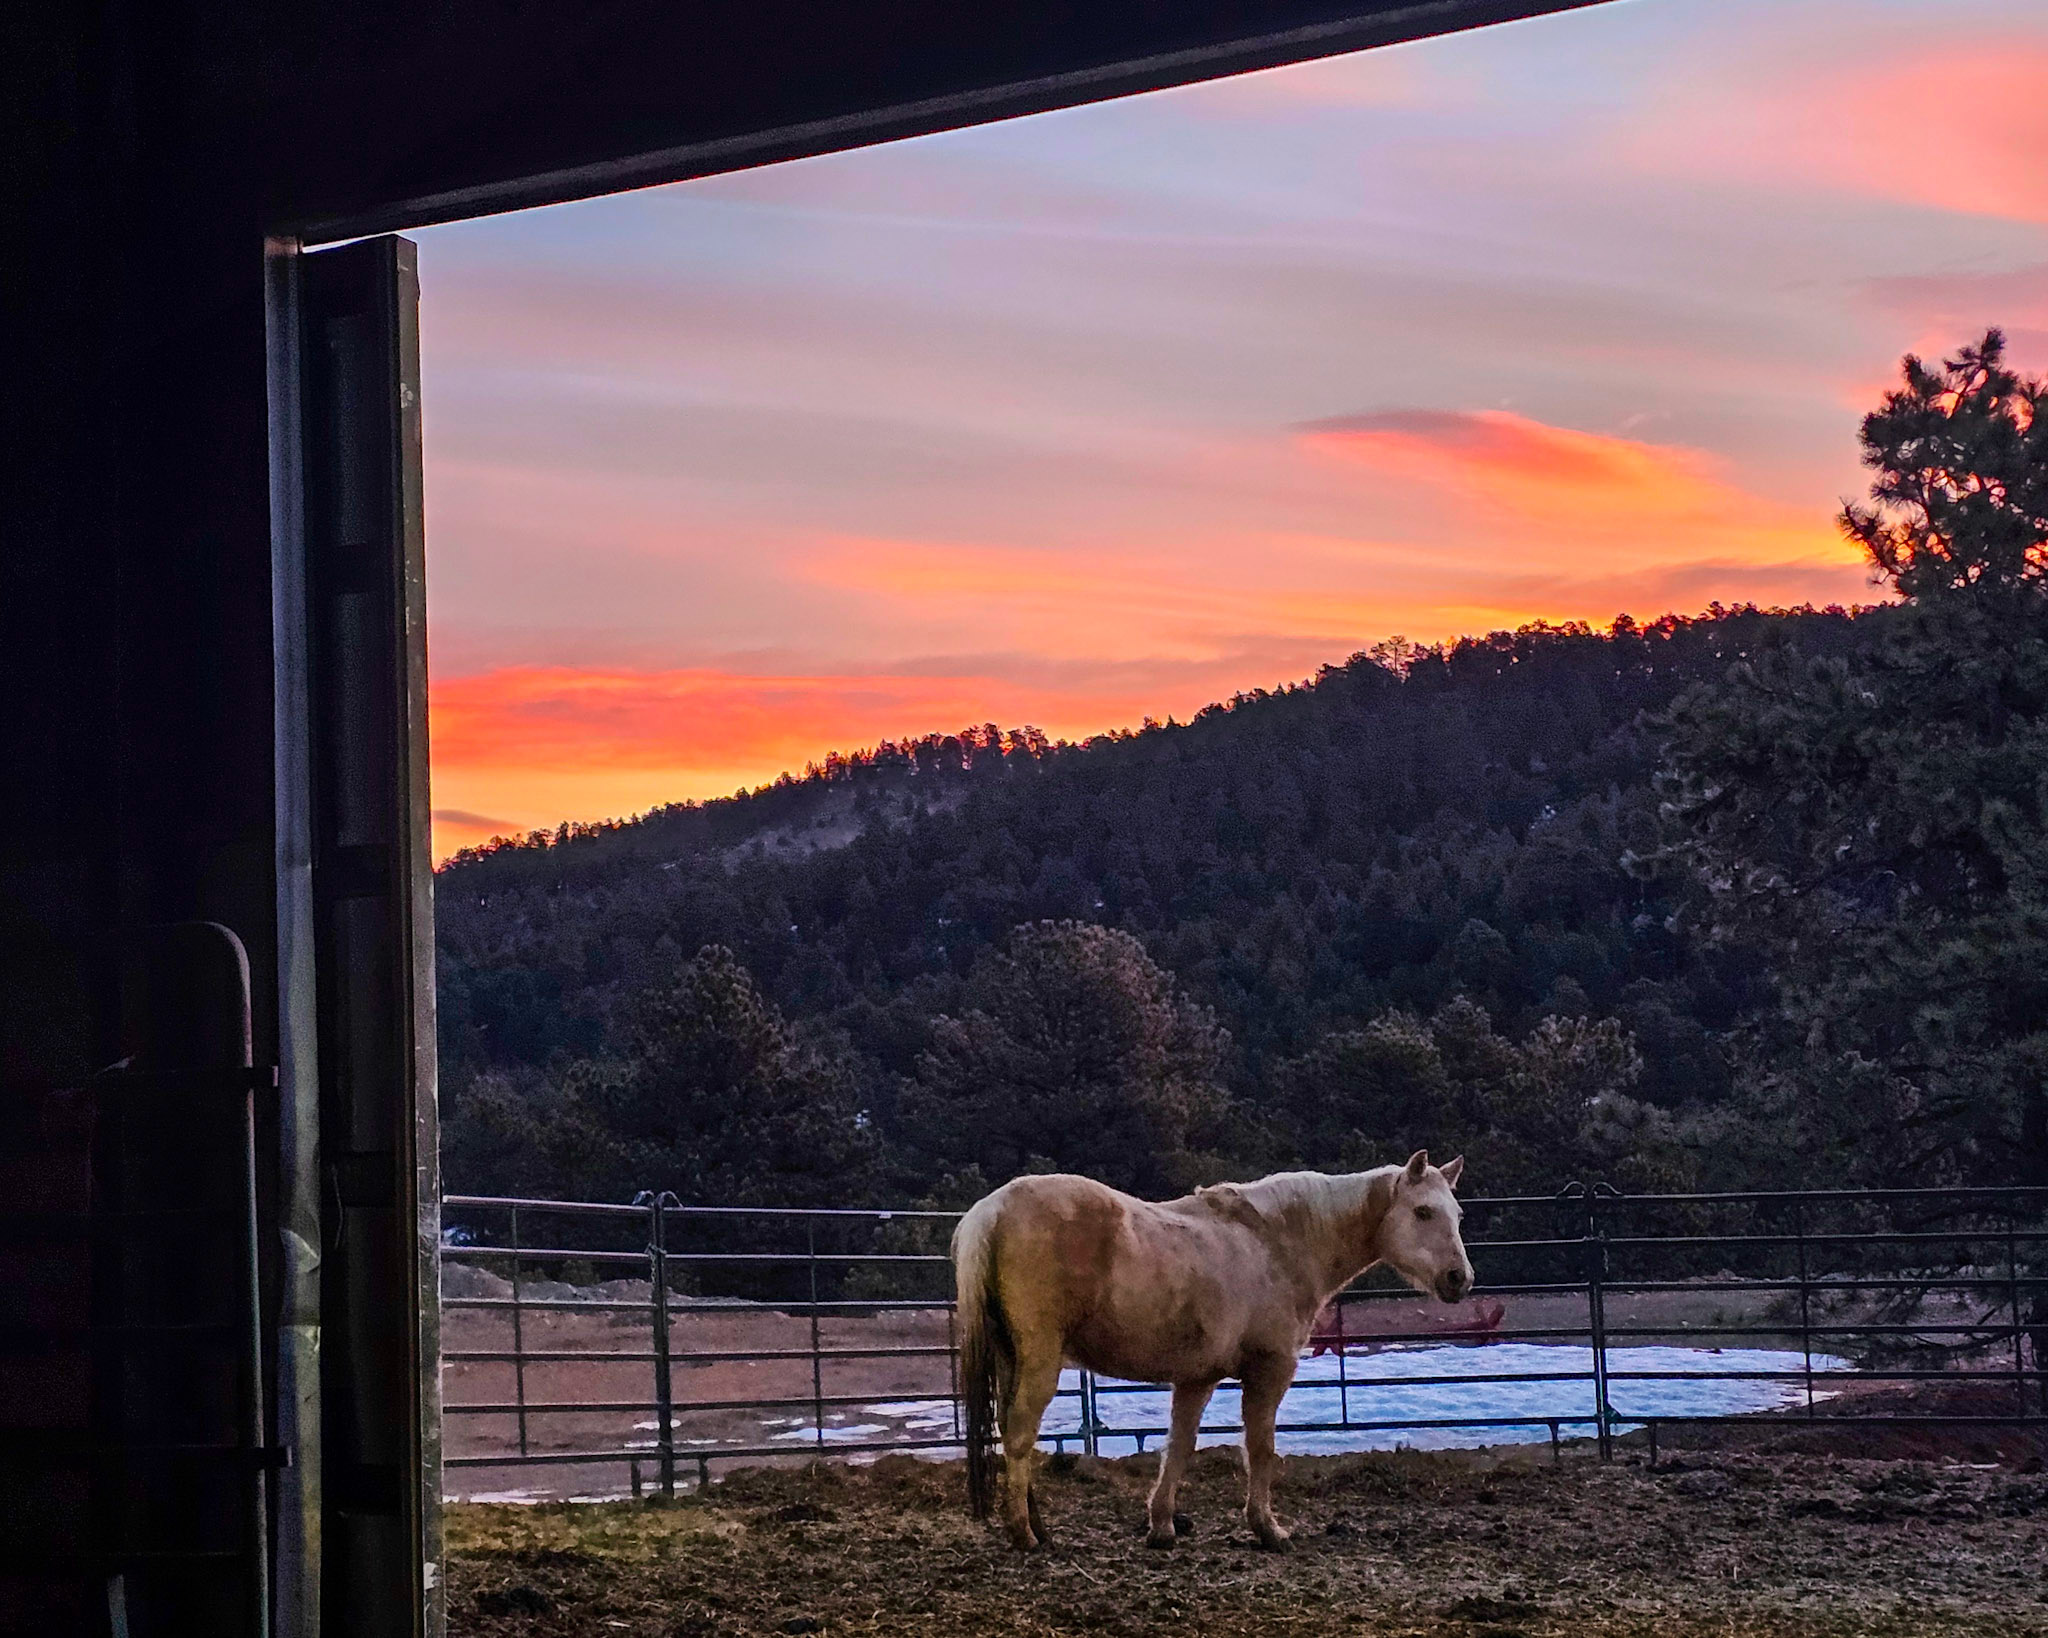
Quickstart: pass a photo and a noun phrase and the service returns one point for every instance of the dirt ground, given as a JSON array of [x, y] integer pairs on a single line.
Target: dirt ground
[[1503, 1544]]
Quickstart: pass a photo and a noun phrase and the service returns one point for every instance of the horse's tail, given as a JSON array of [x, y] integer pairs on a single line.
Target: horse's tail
[[988, 1354]]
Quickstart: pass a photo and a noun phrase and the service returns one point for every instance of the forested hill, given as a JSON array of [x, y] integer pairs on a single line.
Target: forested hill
[[1399, 832]]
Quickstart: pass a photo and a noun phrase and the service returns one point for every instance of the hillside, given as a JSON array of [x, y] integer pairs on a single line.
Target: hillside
[[1387, 836]]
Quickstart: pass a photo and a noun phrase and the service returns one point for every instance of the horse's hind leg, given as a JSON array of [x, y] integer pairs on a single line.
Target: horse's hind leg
[[1190, 1399], [1037, 1379], [1265, 1385]]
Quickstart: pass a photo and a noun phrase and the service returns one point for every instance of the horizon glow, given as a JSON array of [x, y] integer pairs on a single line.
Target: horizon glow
[[1113, 412]]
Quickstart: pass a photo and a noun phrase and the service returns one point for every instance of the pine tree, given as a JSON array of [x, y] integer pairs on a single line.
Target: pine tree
[[718, 1100], [1878, 823], [1074, 1052]]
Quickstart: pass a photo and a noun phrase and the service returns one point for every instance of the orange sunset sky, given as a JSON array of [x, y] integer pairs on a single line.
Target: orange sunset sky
[[1112, 412]]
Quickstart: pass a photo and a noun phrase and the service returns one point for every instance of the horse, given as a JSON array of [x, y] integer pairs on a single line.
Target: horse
[[1225, 1282]]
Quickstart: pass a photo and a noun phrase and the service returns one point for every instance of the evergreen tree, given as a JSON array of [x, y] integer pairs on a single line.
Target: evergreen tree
[[1526, 1117], [1877, 822], [716, 1099], [1073, 1052]]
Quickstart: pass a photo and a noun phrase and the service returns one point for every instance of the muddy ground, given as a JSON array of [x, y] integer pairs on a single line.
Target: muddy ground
[[1754, 1541]]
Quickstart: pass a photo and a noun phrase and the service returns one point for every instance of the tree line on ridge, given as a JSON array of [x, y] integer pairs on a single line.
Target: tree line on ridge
[[1757, 898]]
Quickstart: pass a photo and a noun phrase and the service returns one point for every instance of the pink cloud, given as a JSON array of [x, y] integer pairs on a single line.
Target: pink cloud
[[1579, 501], [1919, 121], [1947, 309], [1516, 459]]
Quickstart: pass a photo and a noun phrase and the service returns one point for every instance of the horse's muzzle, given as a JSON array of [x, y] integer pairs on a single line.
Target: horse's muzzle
[[1452, 1284]]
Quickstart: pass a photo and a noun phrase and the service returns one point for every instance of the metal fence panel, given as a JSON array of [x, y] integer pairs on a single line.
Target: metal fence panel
[[1906, 1286]]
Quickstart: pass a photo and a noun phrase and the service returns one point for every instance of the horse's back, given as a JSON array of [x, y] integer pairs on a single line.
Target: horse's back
[[1131, 1287], [1059, 1221]]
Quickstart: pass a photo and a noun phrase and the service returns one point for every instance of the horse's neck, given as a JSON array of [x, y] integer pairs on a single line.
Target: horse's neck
[[1354, 1242], [1339, 1224]]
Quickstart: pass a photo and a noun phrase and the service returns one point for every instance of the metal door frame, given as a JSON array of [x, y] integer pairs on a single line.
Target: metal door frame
[[357, 1340]]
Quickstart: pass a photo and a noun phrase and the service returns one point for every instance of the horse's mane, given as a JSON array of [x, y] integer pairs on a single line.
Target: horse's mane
[[1328, 1196]]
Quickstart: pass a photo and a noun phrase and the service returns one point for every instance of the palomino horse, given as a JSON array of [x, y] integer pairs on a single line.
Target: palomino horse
[[1225, 1282]]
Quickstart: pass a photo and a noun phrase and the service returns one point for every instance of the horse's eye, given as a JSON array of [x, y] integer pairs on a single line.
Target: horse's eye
[[1425, 1213]]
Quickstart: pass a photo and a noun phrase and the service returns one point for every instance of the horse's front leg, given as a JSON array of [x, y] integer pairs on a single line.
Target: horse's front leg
[[1190, 1399], [1266, 1382]]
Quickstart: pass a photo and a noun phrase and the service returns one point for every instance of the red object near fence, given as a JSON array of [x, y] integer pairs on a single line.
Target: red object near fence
[[1355, 1331]]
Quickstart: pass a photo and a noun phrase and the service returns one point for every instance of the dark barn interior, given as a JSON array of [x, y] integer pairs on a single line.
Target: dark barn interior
[[218, 1207]]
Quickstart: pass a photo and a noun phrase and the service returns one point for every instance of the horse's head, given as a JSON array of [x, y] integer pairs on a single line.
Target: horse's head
[[1418, 1236]]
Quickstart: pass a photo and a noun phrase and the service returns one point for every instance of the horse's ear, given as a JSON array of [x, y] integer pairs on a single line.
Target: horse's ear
[[1418, 1166], [1452, 1169]]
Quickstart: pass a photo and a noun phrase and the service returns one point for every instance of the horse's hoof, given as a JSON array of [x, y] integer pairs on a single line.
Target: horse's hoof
[[1272, 1539], [1161, 1539], [1183, 1525]]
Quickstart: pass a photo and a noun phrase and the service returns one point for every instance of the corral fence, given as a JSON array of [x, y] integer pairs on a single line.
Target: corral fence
[[623, 1345]]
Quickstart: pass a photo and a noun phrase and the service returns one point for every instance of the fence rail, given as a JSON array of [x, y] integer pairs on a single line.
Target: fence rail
[[1839, 1305]]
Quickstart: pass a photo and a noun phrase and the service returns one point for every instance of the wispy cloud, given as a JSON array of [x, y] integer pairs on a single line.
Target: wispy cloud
[[471, 821], [1595, 499], [1950, 307], [1513, 460]]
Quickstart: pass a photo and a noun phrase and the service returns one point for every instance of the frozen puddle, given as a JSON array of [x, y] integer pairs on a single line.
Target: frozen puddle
[[842, 1432], [1469, 1409], [1556, 1385]]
